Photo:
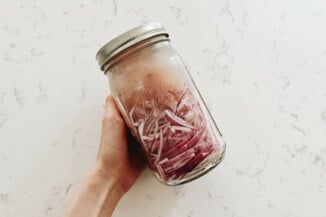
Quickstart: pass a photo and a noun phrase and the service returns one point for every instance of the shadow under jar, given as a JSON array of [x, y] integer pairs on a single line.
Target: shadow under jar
[[161, 104]]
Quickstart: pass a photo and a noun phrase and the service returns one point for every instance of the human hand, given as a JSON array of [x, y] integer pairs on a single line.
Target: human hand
[[119, 164], [119, 155]]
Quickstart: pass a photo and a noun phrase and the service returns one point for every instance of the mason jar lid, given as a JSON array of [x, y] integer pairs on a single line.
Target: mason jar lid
[[128, 39]]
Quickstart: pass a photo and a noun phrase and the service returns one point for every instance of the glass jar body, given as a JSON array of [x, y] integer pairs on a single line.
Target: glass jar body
[[166, 113]]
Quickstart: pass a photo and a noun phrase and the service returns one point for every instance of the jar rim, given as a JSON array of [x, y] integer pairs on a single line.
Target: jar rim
[[128, 39]]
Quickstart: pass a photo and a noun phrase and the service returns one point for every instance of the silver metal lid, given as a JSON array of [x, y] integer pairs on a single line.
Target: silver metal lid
[[128, 39]]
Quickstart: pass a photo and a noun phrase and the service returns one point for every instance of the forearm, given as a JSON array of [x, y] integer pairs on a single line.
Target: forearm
[[96, 197]]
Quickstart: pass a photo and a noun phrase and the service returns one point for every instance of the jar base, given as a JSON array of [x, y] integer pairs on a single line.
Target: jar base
[[199, 171]]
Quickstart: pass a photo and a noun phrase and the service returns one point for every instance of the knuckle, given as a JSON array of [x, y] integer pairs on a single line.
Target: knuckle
[[108, 99]]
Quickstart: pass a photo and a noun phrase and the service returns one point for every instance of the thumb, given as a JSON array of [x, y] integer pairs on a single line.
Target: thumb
[[113, 126]]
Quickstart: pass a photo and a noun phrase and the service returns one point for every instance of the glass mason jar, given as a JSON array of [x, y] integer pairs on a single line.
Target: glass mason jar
[[161, 105]]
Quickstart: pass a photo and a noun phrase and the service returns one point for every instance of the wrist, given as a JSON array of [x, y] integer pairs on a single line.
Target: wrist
[[109, 177], [97, 196]]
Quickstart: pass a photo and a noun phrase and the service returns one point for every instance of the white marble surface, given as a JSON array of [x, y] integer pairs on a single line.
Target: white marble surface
[[261, 65]]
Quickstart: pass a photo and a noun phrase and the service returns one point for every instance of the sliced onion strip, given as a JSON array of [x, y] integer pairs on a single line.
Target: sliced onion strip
[[175, 120]]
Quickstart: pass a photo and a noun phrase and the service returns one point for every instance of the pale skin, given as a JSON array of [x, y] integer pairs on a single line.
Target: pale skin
[[119, 163]]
